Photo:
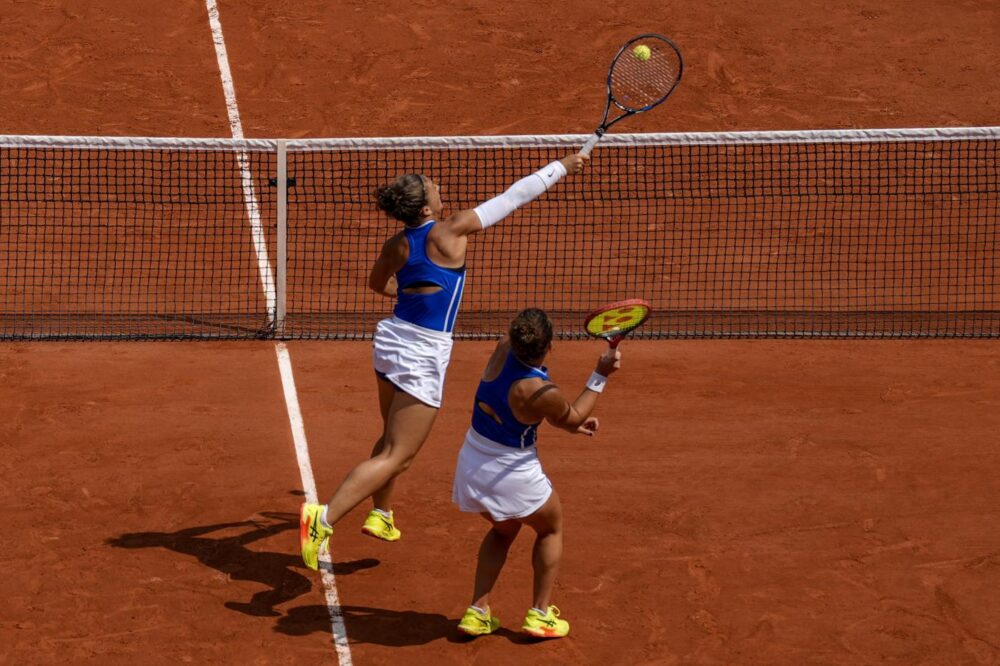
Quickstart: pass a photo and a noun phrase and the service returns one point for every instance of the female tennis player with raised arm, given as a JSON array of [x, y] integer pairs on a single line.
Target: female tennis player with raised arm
[[499, 475], [423, 267]]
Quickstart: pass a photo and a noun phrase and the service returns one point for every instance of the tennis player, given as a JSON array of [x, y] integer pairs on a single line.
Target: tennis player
[[500, 476], [423, 268]]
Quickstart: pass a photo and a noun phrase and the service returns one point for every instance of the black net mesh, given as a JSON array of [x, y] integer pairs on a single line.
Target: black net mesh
[[806, 237]]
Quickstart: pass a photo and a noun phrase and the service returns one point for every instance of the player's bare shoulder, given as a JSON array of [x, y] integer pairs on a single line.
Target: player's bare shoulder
[[539, 396], [463, 223], [396, 247]]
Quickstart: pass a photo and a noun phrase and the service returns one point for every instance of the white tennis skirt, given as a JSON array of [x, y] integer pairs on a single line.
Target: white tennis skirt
[[413, 358], [500, 480]]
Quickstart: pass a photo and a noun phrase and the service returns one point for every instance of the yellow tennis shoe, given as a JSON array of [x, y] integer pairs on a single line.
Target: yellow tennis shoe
[[477, 623], [380, 527], [545, 626], [313, 534]]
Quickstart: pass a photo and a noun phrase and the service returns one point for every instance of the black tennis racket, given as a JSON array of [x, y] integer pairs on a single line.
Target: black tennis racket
[[643, 74]]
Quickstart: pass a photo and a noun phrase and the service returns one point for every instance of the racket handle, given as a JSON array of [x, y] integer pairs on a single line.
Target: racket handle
[[613, 342], [591, 142]]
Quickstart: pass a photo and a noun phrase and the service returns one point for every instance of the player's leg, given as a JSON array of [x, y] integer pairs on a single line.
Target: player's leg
[[492, 556], [380, 523], [408, 423], [543, 618], [386, 391], [382, 498], [547, 552], [478, 618]]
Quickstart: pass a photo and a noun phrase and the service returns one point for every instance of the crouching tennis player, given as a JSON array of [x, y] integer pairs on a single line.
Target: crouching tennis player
[[500, 477]]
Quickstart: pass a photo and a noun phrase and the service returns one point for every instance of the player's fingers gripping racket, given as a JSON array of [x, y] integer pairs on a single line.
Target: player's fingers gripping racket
[[643, 74], [614, 321]]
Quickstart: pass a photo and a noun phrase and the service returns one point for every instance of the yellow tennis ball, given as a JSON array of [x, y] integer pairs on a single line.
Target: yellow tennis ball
[[642, 52]]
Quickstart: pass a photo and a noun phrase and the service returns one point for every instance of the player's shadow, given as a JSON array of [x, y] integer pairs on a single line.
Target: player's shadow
[[379, 626], [230, 555]]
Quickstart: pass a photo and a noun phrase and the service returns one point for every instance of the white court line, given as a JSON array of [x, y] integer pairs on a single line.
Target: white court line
[[284, 359], [243, 159], [309, 486]]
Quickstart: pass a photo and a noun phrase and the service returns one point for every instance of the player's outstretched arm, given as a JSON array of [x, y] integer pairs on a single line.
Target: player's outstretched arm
[[529, 188]]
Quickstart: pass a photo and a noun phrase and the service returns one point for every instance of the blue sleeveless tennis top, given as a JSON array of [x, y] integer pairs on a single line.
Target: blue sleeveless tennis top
[[436, 311], [499, 423]]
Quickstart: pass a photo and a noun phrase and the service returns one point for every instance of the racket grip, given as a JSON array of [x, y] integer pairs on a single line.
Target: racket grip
[[591, 142]]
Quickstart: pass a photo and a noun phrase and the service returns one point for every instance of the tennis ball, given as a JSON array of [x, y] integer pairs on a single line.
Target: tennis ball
[[642, 52]]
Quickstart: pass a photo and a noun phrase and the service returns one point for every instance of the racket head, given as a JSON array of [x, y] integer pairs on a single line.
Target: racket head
[[636, 85], [614, 321]]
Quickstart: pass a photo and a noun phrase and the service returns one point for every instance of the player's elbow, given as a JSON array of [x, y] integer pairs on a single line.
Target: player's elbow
[[570, 421], [379, 287]]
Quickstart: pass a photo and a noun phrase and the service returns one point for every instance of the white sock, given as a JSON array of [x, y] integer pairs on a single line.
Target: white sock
[[322, 518], [385, 514], [540, 611], [481, 611]]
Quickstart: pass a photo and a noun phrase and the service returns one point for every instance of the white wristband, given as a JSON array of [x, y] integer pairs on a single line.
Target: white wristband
[[596, 382]]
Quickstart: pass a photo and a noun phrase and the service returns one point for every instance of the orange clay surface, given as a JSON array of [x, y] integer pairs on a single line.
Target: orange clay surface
[[745, 502]]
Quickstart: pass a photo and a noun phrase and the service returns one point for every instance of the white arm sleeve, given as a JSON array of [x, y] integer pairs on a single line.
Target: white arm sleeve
[[520, 193]]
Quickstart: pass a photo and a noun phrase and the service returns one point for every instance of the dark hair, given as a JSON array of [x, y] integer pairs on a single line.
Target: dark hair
[[531, 334], [404, 198]]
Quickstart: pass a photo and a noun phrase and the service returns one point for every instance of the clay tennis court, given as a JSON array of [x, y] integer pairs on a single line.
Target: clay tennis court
[[766, 502]]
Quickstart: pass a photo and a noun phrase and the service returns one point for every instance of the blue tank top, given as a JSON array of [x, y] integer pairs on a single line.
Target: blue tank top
[[436, 311], [499, 423]]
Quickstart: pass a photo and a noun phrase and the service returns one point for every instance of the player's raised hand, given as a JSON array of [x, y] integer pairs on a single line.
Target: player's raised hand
[[609, 361], [575, 162]]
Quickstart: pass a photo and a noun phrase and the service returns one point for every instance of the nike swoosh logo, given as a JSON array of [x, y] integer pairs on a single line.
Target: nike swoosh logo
[[551, 171]]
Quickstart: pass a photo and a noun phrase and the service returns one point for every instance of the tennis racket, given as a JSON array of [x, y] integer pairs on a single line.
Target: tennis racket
[[614, 321], [642, 75]]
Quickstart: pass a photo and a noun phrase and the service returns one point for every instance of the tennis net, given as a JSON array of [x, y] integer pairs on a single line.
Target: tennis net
[[875, 233]]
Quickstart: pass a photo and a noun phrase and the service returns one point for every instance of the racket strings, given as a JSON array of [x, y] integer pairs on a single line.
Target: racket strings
[[617, 319], [636, 84]]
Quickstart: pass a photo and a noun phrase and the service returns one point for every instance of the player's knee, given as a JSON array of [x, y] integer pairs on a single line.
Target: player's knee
[[403, 464], [551, 530], [553, 525], [399, 463]]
